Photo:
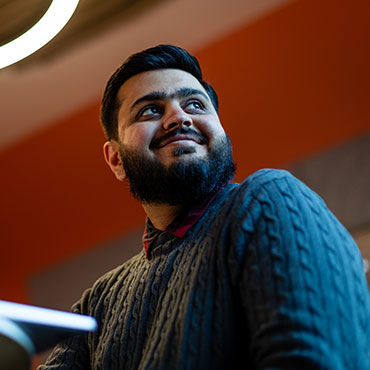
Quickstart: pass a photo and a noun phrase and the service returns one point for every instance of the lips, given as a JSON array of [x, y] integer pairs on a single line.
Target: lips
[[178, 136]]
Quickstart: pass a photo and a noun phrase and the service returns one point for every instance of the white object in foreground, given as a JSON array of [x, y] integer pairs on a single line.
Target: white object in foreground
[[26, 330]]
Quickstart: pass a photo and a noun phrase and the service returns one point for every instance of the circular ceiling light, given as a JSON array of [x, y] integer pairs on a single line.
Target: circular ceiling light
[[51, 23]]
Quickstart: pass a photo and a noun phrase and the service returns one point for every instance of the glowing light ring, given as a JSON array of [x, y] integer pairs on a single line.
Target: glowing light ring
[[51, 23]]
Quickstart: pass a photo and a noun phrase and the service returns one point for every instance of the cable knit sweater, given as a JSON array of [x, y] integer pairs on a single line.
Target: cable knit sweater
[[266, 279]]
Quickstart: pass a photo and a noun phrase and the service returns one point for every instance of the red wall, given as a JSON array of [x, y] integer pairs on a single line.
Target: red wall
[[294, 82], [290, 84]]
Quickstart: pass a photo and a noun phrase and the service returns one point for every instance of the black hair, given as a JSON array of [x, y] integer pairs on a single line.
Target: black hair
[[157, 57]]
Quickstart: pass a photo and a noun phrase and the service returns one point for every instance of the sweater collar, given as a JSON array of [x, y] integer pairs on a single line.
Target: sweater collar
[[182, 223]]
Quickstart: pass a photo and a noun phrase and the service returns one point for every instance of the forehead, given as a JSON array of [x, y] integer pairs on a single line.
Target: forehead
[[163, 80]]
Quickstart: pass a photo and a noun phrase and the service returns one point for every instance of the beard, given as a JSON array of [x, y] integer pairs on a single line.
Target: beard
[[184, 182]]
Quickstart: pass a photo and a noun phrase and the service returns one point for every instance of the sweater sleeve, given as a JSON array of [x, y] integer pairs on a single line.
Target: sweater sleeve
[[73, 352], [301, 280]]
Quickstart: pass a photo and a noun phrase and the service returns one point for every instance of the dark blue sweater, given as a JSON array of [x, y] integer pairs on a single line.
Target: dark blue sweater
[[266, 279]]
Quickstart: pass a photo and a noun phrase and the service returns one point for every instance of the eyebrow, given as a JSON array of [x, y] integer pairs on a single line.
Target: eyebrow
[[161, 95]]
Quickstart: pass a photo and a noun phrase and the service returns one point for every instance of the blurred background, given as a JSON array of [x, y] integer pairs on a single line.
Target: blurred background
[[294, 86]]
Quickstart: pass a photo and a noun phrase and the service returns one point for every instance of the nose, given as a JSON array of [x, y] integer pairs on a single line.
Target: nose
[[175, 117]]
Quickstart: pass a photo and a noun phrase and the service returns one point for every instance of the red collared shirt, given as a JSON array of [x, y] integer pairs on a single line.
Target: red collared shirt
[[180, 225]]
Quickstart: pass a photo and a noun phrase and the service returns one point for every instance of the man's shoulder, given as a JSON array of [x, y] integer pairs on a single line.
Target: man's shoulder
[[266, 175], [118, 273], [262, 178], [236, 198], [267, 185]]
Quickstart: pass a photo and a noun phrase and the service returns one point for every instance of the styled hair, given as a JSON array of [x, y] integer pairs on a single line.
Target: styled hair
[[157, 57]]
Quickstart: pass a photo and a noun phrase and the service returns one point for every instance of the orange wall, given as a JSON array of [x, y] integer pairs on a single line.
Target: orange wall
[[294, 82], [290, 84]]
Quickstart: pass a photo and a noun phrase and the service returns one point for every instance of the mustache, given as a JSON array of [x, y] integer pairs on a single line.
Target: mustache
[[157, 142]]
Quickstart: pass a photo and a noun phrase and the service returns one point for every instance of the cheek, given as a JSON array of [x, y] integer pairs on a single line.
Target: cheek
[[138, 136], [212, 129]]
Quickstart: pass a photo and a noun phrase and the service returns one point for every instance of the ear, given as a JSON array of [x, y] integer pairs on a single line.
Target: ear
[[113, 159]]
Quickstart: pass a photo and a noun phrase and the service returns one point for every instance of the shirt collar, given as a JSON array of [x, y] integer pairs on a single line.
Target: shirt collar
[[180, 225]]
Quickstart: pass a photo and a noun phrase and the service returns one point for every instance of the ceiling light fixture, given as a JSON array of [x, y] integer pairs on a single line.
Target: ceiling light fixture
[[51, 23]]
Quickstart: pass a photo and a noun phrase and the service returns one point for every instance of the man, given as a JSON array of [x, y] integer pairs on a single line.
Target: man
[[257, 275]]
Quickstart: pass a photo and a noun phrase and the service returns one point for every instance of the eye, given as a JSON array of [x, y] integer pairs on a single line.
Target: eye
[[194, 105], [148, 112]]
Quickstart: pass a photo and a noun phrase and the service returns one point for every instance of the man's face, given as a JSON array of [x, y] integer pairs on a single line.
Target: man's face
[[167, 114], [171, 145]]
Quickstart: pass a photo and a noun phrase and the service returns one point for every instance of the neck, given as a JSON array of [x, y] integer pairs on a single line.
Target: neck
[[161, 215]]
